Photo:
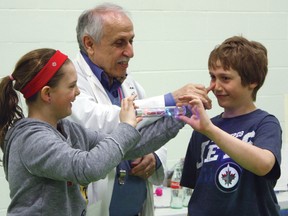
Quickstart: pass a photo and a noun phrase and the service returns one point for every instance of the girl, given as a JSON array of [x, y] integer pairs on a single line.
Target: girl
[[46, 157]]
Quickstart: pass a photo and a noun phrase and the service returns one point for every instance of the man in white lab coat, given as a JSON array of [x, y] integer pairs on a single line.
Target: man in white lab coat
[[105, 36]]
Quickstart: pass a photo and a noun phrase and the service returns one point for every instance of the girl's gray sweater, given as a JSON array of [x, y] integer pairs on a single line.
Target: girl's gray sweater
[[45, 166]]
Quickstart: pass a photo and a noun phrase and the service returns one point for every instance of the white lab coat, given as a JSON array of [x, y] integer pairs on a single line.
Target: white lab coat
[[93, 109]]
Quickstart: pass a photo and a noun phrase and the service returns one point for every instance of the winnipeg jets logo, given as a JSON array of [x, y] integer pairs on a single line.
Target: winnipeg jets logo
[[227, 177]]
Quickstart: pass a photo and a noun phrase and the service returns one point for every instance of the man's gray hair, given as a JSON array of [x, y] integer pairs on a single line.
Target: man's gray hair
[[91, 21]]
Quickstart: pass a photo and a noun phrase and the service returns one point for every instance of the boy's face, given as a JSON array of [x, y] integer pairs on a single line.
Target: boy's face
[[235, 98]]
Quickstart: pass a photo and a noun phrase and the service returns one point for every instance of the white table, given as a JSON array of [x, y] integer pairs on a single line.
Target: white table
[[162, 204]]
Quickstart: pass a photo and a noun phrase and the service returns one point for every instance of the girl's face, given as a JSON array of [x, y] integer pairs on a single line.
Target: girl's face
[[235, 98], [65, 92]]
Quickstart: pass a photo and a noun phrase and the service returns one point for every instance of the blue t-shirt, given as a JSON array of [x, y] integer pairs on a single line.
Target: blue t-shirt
[[221, 186]]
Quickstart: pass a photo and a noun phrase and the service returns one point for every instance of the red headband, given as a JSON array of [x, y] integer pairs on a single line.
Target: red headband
[[44, 75]]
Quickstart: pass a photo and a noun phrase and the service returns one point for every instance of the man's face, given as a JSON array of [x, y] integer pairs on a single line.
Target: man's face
[[115, 49]]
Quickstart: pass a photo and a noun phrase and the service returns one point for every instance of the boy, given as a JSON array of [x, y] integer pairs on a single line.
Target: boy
[[233, 160]]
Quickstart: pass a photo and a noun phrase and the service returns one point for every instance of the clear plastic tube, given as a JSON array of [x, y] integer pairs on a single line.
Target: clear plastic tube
[[161, 111]]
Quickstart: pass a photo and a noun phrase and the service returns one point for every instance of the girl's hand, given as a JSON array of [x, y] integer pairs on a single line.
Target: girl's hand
[[127, 112]]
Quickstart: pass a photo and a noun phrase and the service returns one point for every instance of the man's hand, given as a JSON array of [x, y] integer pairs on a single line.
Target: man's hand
[[194, 89], [144, 167]]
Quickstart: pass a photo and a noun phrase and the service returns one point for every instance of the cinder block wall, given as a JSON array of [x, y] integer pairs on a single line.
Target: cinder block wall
[[172, 44]]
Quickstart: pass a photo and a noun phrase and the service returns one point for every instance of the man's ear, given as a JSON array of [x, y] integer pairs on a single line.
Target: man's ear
[[88, 44], [45, 94]]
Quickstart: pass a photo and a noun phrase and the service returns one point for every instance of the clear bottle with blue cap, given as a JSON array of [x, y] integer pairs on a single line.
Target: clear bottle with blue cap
[[161, 111]]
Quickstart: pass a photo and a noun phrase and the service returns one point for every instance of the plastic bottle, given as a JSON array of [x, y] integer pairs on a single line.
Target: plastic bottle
[[176, 201], [187, 193], [161, 111]]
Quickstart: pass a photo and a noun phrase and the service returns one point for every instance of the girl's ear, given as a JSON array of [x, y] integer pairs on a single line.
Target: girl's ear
[[45, 94]]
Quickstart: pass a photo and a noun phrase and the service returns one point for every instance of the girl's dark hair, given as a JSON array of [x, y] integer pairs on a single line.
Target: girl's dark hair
[[25, 70]]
